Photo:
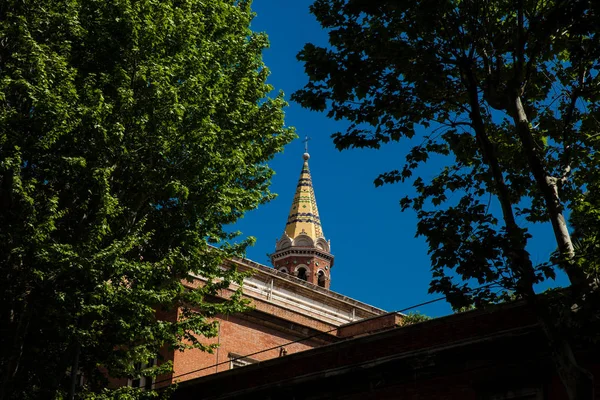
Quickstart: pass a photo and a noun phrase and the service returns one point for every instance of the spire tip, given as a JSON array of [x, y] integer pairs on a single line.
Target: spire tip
[[306, 156]]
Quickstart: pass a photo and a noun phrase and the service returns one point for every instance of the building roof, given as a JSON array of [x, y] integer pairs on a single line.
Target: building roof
[[304, 214], [479, 343], [267, 287]]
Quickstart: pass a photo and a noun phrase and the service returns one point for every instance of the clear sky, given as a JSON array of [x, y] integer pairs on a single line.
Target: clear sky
[[378, 260]]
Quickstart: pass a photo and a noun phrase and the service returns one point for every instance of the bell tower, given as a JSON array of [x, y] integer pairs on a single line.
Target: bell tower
[[302, 250]]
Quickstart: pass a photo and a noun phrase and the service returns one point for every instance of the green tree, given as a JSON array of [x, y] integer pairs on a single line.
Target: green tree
[[507, 93], [585, 220], [131, 134], [414, 318]]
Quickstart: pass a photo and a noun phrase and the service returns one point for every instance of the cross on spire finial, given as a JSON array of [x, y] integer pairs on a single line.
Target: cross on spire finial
[[306, 139]]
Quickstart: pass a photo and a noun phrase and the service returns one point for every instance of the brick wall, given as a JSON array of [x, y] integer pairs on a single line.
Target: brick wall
[[239, 336], [306, 311], [370, 325]]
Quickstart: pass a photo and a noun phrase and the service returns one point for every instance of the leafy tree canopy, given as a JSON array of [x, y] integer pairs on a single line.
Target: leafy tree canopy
[[506, 91], [414, 318], [131, 134]]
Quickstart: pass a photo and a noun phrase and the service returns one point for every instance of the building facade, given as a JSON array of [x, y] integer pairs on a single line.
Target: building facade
[[293, 309], [304, 342], [495, 354]]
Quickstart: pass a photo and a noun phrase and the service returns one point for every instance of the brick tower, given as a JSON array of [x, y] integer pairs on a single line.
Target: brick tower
[[302, 250]]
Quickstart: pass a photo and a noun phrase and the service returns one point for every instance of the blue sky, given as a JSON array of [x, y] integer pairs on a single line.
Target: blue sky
[[378, 260]]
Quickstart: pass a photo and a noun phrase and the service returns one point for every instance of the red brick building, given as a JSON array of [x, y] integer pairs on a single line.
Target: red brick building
[[303, 341], [494, 354], [293, 308], [289, 315]]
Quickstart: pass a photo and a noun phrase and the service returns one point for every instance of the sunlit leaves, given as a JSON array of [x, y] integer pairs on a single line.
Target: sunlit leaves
[[132, 133]]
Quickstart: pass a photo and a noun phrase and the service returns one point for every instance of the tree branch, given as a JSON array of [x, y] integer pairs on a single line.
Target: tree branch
[[519, 257], [568, 124]]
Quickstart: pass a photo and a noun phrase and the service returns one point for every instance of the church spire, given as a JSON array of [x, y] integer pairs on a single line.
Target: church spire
[[303, 250], [304, 214]]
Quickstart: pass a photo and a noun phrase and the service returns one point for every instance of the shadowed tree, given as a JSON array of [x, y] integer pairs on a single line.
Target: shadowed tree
[[507, 93], [131, 134]]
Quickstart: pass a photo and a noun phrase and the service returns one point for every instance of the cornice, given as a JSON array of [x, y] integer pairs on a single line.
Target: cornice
[[301, 251]]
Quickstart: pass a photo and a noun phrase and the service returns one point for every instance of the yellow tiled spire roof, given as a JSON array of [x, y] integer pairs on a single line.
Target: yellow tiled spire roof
[[304, 215]]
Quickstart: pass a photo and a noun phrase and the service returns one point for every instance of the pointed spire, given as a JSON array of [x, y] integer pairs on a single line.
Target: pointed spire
[[302, 251], [304, 214]]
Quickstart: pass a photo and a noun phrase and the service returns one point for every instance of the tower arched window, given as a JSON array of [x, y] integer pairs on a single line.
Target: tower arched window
[[321, 278], [302, 274]]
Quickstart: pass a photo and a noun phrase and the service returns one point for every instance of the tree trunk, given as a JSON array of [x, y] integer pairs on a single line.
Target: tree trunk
[[548, 187], [74, 371], [578, 382], [15, 353], [519, 256]]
